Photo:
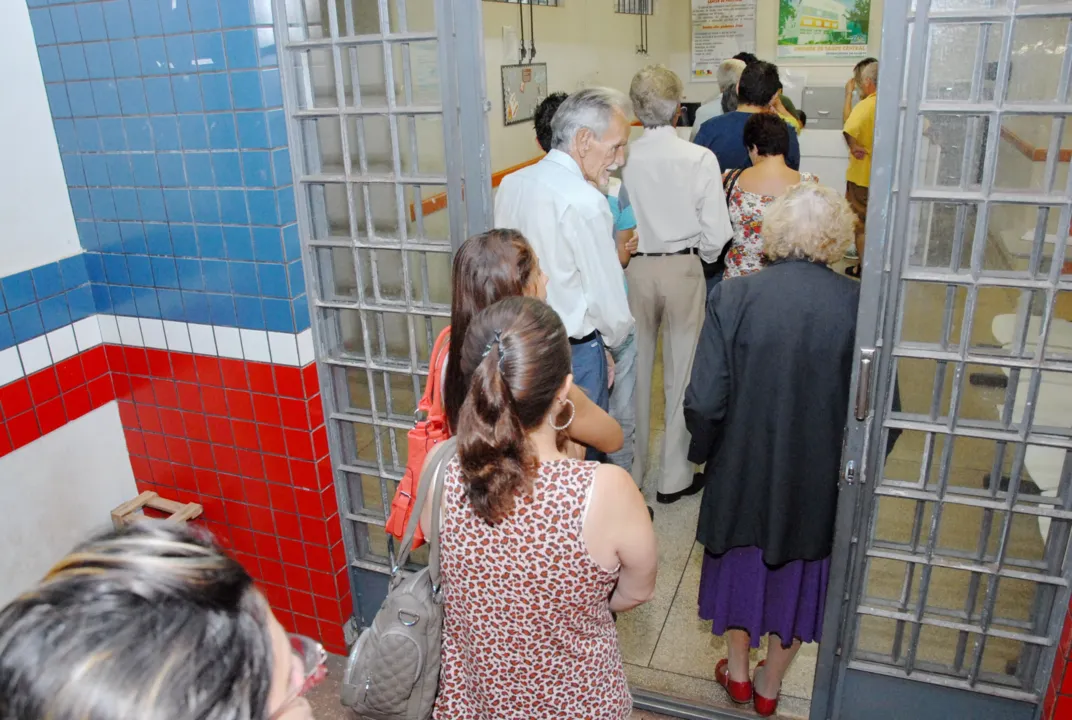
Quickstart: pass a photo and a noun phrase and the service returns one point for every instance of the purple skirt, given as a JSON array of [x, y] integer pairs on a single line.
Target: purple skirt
[[738, 591]]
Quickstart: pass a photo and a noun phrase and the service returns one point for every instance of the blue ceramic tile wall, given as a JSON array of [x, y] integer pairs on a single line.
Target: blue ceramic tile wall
[[38, 301], [171, 129]]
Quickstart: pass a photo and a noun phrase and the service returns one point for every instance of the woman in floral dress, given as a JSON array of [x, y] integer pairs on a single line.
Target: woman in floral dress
[[749, 192]]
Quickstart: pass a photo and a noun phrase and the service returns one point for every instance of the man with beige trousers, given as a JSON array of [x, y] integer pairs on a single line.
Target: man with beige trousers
[[676, 191]]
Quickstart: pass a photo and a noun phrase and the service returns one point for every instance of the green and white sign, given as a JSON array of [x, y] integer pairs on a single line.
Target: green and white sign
[[823, 28]]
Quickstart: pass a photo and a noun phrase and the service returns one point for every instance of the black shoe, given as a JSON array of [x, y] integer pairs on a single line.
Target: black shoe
[[651, 513], [696, 486], [989, 380], [1027, 487]]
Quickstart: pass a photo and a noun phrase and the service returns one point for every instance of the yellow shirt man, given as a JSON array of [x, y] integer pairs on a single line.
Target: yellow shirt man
[[792, 122], [861, 127]]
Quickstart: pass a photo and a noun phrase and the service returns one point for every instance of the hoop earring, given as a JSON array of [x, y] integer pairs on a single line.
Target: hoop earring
[[573, 411]]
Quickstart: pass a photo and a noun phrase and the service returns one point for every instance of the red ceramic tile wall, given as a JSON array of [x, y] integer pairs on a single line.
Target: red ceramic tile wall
[[48, 399], [1058, 702], [248, 441]]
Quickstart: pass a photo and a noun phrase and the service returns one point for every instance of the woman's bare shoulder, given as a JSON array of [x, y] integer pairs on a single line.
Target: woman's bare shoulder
[[613, 484]]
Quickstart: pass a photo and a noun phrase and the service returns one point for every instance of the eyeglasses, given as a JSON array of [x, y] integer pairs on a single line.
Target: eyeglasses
[[312, 658]]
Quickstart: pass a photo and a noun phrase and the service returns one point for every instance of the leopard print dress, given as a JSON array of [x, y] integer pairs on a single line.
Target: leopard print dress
[[528, 631]]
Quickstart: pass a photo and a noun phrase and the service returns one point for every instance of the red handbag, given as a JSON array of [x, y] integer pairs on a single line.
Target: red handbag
[[431, 428]]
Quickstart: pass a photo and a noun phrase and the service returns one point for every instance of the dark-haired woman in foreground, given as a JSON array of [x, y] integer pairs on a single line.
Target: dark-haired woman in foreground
[[152, 622], [537, 548]]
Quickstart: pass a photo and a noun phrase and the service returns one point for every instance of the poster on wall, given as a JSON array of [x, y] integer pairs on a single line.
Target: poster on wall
[[720, 30], [524, 88], [823, 28]]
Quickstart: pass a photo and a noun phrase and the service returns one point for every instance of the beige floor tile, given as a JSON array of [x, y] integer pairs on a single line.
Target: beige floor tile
[[792, 707], [800, 678], [705, 693], [682, 687], [639, 629], [686, 646]]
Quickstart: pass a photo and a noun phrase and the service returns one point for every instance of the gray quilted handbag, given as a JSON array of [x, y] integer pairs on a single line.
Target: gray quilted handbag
[[393, 669]]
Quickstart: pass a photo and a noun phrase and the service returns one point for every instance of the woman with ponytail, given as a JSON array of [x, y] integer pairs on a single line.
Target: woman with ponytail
[[537, 549], [487, 268]]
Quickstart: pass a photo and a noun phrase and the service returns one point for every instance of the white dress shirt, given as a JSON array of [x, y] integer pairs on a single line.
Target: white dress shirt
[[569, 225], [675, 188], [705, 112]]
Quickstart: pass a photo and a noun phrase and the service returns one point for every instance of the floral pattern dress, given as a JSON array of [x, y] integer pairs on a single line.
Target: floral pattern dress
[[745, 255]]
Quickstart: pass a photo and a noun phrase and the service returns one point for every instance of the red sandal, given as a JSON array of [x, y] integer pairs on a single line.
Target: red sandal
[[765, 707], [739, 692]]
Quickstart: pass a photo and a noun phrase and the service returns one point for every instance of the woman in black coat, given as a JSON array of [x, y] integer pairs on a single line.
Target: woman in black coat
[[766, 407]]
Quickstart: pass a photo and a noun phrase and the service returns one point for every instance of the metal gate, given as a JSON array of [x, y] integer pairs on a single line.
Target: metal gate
[[386, 110], [950, 573]]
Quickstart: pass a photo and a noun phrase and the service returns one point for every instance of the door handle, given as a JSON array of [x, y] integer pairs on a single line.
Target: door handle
[[850, 472], [863, 383], [824, 112]]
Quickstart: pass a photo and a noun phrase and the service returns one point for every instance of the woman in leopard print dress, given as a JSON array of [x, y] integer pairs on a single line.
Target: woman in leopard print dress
[[537, 549]]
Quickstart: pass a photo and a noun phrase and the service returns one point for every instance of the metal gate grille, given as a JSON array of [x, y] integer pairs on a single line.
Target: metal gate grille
[[964, 573], [387, 127]]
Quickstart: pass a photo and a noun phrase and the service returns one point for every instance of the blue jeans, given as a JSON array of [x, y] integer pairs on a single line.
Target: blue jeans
[[623, 400], [711, 282], [590, 375]]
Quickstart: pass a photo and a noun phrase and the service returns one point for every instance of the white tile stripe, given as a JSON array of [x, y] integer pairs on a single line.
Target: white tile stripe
[[295, 350]]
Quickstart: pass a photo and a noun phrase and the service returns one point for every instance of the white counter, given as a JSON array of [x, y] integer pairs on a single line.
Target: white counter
[[823, 153]]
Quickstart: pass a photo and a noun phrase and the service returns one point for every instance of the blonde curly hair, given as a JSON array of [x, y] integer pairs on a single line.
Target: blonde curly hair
[[809, 221]]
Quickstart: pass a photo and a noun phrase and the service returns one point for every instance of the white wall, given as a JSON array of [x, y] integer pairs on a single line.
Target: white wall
[[57, 490], [585, 43], [62, 486], [36, 221]]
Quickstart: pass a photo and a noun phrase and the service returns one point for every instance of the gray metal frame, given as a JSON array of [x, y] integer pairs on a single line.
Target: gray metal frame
[[356, 214], [537, 3], [634, 7], [364, 231], [851, 682]]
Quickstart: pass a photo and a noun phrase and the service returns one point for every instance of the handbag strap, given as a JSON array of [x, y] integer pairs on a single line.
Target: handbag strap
[[435, 468], [432, 400], [731, 180], [437, 515]]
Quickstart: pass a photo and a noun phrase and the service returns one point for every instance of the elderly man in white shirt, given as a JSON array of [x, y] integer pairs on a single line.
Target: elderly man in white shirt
[[556, 205], [676, 191]]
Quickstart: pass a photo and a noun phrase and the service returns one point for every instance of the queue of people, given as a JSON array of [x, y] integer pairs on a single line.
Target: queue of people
[[720, 246], [541, 549]]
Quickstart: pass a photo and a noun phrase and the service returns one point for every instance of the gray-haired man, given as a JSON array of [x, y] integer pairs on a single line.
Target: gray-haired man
[[676, 191], [556, 205], [727, 76]]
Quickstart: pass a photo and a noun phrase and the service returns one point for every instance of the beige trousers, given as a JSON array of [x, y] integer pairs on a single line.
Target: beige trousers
[[666, 294]]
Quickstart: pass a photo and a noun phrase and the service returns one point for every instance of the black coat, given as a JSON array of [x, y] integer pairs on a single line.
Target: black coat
[[766, 407]]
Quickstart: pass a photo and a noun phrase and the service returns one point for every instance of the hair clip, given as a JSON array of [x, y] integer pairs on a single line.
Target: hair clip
[[497, 340]]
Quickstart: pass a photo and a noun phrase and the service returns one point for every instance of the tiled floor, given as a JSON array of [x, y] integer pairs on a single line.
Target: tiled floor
[[667, 648], [326, 706]]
